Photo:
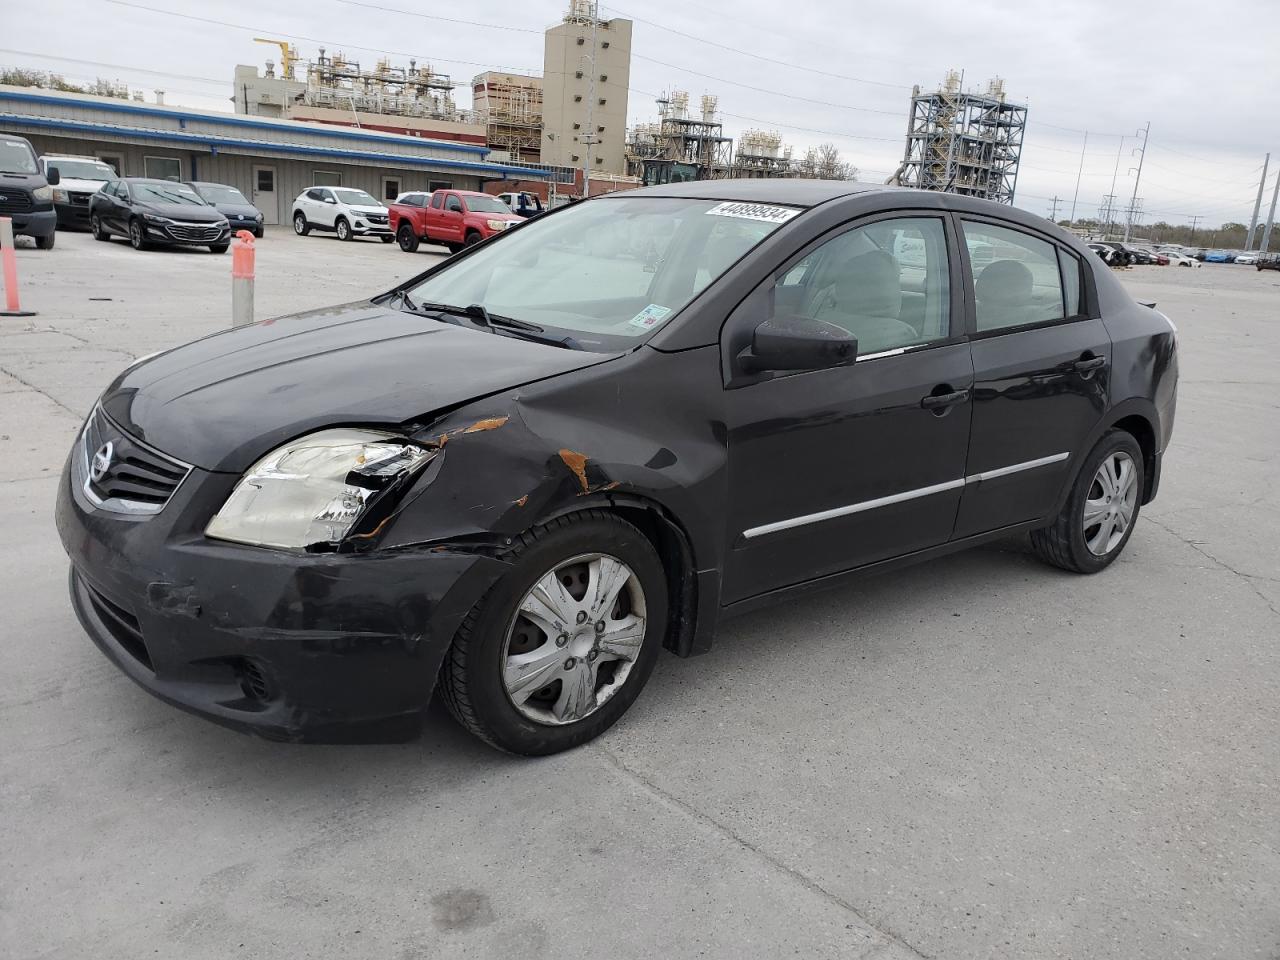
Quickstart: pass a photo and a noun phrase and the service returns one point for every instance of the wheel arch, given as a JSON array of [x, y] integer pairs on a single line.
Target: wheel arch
[[1136, 416]]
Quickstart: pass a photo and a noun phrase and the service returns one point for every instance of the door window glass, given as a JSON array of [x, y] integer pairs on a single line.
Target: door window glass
[[162, 168], [454, 204], [886, 283], [390, 189], [266, 180], [1016, 279]]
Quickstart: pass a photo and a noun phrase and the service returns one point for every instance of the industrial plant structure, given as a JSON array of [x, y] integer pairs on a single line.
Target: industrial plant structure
[[510, 107], [965, 142]]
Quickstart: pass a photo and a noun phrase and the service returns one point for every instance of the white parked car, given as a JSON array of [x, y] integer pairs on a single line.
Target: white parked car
[[1177, 259], [348, 212], [1250, 258]]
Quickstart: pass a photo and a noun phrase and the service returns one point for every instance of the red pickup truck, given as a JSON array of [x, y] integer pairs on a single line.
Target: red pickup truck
[[455, 218]]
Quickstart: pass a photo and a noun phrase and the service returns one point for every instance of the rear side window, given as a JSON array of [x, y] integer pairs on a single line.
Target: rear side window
[[315, 194], [1016, 278], [1070, 282], [436, 200]]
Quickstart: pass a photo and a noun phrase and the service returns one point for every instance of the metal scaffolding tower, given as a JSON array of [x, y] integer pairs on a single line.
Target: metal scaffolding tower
[[963, 142], [761, 154], [681, 147]]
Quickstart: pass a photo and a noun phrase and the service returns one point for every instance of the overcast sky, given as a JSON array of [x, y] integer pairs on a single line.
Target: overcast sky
[[1204, 73]]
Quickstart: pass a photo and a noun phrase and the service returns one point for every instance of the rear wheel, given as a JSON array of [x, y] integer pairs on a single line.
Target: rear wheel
[[98, 230], [300, 225], [560, 647], [407, 238], [343, 229], [1098, 517]]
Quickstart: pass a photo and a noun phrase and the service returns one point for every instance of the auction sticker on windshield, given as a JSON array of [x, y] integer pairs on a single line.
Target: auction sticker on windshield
[[754, 211], [650, 316]]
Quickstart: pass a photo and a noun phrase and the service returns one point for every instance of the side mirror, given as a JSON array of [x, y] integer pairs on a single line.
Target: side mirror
[[53, 177], [330, 200], [798, 343]]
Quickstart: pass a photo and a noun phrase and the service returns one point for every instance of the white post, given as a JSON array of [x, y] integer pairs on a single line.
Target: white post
[[242, 267]]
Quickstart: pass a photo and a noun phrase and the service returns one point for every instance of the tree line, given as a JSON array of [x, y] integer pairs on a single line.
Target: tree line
[[1229, 236]]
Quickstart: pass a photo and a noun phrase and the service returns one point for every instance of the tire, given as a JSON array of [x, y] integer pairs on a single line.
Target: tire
[[46, 243], [137, 239], [386, 239], [218, 247], [97, 229], [258, 233], [343, 230], [1067, 543], [472, 677], [407, 239], [300, 225], [473, 237], [453, 247]]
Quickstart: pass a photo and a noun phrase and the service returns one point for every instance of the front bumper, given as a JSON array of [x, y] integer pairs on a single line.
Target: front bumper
[[72, 214], [297, 647], [362, 228], [35, 223]]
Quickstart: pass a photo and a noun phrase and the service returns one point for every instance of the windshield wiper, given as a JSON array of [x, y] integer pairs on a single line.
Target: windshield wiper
[[483, 318]]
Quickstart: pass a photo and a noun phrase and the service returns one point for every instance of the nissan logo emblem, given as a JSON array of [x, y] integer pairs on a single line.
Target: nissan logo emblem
[[101, 462]]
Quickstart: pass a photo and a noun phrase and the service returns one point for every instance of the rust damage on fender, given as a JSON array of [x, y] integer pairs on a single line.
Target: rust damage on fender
[[522, 501], [480, 426], [577, 462]]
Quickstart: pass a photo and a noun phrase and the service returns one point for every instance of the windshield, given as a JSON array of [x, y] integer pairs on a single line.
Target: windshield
[[356, 197], [606, 272], [16, 156], [165, 193], [217, 193], [485, 205], [82, 169]]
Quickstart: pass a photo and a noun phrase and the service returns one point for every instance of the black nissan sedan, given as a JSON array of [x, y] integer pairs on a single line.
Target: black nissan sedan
[[157, 213], [231, 203], [519, 475]]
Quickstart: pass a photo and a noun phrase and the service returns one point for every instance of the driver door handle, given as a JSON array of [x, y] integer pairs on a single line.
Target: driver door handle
[[1088, 364], [935, 401]]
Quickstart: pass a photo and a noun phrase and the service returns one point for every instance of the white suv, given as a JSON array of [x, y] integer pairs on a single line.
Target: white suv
[[348, 212]]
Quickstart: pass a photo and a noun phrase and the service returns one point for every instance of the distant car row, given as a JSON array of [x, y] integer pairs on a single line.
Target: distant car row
[[1118, 254]]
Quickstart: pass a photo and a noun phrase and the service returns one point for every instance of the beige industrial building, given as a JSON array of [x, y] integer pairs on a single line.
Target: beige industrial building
[[510, 107], [585, 109]]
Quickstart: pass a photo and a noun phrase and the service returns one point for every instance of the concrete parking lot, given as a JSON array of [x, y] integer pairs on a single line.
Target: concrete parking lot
[[982, 757]]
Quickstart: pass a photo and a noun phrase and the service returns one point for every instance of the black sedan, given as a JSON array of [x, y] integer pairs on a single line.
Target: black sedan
[[157, 212], [231, 203], [518, 476]]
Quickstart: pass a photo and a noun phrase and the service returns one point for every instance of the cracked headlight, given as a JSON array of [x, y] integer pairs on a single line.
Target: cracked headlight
[[311, 492]]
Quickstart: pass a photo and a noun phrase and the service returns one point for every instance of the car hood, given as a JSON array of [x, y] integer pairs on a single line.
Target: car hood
[[362, 208], [236, 209], [180, 211], [80, 186], [223, 402]]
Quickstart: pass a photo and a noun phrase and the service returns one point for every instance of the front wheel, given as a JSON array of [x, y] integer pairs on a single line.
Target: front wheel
[[343, 229], [473, 237], [1097, 520], [386, 239], [46, 243], [407, 239], [137, 239], [98, 230], [560, 647], [300, 225]]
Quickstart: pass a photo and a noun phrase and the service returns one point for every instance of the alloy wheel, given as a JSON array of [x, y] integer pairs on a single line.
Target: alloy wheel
[[300, 225], [574, 639], [1110, 503], [135, 235]]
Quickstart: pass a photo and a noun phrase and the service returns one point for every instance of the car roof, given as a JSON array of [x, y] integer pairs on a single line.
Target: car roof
[[799, 193]]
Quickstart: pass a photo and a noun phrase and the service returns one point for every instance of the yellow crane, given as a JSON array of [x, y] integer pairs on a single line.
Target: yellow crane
[[288, 55]]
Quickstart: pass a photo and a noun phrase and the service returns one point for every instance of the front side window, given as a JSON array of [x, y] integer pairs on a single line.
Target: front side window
[[454, 204], [608, 271], [1016, 279], [887, 283], [162, 168]]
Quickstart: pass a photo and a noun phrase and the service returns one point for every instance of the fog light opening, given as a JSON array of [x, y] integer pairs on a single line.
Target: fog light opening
[[253, 681]]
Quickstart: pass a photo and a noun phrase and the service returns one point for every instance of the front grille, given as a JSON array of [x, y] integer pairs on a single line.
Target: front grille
[[122, 625], [195, 232], [14, 201], [375, 218], [81, 199], [123, 474]]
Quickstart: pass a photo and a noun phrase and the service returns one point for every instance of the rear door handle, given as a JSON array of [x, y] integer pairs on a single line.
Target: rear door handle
[[935, 401], [1088, 364]]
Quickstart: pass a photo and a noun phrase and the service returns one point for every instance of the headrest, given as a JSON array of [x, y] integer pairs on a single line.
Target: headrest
[[1005, 281], [869, 286]]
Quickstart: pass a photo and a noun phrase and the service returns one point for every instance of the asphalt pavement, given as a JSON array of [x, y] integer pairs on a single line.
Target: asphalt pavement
[[982, 757]]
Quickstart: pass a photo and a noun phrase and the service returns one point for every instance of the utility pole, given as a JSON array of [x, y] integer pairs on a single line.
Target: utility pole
[[1053, 214], [1105, 212], [1257, 204], [1194, 220], [1271, 217], [1079, 174], [1111, 197], [590, 138], [1142, 156]]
